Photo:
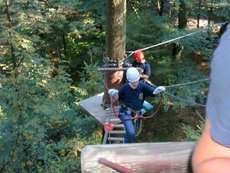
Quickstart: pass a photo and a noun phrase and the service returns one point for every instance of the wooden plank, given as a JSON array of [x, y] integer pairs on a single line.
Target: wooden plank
[[93, 107], [115, 139], [168, 157], [118, 126], [111, 69], [117, 132], [115, 68]]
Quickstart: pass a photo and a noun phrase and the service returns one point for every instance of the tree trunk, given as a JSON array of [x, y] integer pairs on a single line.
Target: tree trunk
[[182, 23], [12, 49], [198, 15], [115, 43], [182, 16]]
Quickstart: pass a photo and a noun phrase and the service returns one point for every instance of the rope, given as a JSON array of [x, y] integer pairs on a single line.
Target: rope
[[112, 101], [178, 98], [187, 83], [177, 38], [147, 117]]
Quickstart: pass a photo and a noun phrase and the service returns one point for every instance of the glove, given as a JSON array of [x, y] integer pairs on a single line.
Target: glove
[[112, 92], [159, 90]]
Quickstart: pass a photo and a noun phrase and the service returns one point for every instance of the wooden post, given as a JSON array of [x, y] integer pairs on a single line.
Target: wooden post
[[115, 43], [169, 157]]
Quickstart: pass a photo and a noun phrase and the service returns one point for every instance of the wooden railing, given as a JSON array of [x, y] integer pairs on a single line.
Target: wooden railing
[[169, 157]]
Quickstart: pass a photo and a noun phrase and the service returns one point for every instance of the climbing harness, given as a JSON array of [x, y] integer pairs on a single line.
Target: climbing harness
[[111, 127], [136, 114], [151, 115]]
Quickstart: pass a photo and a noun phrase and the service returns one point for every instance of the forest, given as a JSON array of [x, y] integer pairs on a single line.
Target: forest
[[50, 51]]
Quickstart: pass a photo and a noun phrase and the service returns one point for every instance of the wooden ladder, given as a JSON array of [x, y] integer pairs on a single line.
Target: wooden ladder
[[115, 131]]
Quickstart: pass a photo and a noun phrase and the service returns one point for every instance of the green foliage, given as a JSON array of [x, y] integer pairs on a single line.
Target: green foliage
[[40, 120], [42, 128], [37, 118], [144, 30], [40, 131], [193, 134], [219, 9], [187, 95], [91, 84], [84, 44], [86, 38], [91, 79]]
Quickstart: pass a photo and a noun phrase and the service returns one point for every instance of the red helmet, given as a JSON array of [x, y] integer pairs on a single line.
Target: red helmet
[[139, 55]]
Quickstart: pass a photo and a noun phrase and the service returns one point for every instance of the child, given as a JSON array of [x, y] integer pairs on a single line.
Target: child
[[131, 96], [145, 68]]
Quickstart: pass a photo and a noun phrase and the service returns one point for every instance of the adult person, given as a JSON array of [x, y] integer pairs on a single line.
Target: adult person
[[212, 152], [140, 61], [131, 96]]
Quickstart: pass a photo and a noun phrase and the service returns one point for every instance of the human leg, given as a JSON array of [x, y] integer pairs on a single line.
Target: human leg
[[129, 127], [138, 121]]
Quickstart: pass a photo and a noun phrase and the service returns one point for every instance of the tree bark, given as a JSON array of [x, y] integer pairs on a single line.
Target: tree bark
[[198, 15], [12, 49], [182, 16], [115, 43]]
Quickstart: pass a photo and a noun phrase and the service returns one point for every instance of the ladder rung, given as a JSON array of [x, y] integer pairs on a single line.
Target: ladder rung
[[118, 125], [117, 132], [115, 139], [114, 120], [108, 113]]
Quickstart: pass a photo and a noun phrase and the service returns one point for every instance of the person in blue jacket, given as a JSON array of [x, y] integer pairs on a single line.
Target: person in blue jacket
[[131, 96], [140, 61]]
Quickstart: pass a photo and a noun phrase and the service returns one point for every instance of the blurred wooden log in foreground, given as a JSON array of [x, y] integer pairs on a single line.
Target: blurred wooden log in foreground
[[169, 157]]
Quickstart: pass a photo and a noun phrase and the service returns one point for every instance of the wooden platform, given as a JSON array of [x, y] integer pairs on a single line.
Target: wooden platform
[[93, 107], [165, 157]]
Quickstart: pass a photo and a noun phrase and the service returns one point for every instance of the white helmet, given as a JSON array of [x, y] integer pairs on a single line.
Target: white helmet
[[132, 74]]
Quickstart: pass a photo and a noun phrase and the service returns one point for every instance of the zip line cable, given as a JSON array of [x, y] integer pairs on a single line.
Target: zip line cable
[[184, 100], [168, 41], [177, 38], [187, 83], [174, 39]]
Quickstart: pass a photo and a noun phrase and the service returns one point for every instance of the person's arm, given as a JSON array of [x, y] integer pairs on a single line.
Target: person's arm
[[147, 70], [209, 156], [143, 76], [113, 93]]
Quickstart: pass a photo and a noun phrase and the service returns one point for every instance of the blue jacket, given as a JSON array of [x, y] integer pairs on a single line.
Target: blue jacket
[[145, 67], [134, 98]]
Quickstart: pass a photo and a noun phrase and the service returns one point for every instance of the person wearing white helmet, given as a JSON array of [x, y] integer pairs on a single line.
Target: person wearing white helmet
[[131, 96]]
